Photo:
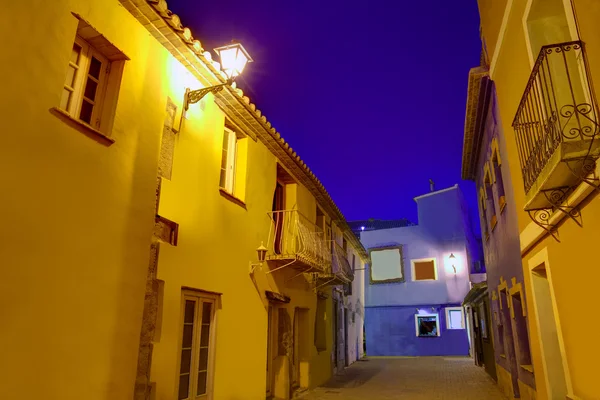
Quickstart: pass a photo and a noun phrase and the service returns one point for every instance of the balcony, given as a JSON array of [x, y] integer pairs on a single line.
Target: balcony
[[296, 242], [340, 272], [556, 126]]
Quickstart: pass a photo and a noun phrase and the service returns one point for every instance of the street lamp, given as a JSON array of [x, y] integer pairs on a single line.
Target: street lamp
[[233, 61], [261, 252], [453, 257]]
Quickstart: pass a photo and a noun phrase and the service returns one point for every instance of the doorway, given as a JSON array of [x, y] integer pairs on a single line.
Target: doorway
[[301, 349], [552, 357], [509, 344], [335, 334], [278, 217], [346, 355], [271, 347]]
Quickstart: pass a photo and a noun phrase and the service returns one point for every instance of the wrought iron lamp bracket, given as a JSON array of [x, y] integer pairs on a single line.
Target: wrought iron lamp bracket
[[194, 96]]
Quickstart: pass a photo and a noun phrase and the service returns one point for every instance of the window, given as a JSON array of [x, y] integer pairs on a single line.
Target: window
[[483, 214], [85, 83], [489, 197], [424, 269], [427, 325], [455, 318], [518, 313], [232, 179], [197, 346], [497, 172], [228, 160], [483, 317], [386, 265], [92, 79]]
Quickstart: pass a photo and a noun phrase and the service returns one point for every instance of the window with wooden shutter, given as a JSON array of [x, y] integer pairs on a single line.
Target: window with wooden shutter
[[424, 270]]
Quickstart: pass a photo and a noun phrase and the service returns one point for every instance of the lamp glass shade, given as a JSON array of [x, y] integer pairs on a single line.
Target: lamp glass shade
[[233, 59], [261, 252]]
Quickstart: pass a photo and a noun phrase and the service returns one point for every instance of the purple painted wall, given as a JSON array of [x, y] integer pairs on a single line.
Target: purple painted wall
[[502, 249], [391, 332], [444, 228]]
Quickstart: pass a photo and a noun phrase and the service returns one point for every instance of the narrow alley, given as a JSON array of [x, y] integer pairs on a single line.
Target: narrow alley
[[414, 378]]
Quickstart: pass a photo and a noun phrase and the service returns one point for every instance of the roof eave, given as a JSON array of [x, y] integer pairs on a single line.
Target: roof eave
[[166, 27], [478, 97]]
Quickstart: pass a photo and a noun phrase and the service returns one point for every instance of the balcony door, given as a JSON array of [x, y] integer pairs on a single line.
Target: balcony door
[[278, 216]]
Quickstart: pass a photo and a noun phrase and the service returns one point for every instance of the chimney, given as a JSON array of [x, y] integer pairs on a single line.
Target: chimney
[[431, 185]]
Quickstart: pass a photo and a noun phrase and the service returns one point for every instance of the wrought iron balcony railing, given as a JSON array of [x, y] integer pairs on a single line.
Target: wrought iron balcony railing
[[295, 240], [556, 125], [339, 272], [340, 265]]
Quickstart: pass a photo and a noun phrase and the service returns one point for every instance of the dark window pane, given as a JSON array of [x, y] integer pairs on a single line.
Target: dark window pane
[[189, 311], [184, 387], [186, 361], [223, 178], [95, 66], [201, 384], [206, 310], [224, 159], [188, 330], [205, 335], [427, 326], [86, 112], [90, 89], [203, 365]]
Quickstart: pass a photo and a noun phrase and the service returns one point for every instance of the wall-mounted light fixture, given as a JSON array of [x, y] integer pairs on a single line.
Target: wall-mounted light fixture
[[261, 253], [452, 258], [233, 60]]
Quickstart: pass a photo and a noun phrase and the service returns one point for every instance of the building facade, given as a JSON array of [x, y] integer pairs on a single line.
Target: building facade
[[418, 278], [484, 162], [543, 58], [169, 252]]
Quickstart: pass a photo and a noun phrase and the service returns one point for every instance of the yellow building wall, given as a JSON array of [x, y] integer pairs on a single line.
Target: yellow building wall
[[570, 261], [572, 264], [217, 241], [78, 214], [489, 11]]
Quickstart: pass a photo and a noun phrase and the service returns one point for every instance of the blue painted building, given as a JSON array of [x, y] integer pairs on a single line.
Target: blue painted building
[[418, 278]]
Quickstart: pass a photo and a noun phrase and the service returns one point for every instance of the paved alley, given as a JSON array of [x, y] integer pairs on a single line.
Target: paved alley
[[421, 378]]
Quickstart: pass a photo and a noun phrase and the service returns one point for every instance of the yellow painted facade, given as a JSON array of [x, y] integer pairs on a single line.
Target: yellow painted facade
[[81, 209], [568, 267]]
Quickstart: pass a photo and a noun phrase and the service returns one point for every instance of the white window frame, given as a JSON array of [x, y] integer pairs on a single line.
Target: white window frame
[[437, 321], [230, 164], [199, 298], [435, 269], [80, 78], [462, 321]]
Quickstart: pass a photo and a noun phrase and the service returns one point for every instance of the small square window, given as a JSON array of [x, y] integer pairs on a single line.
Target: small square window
[[427, 325], [455, 318], [424, 269]]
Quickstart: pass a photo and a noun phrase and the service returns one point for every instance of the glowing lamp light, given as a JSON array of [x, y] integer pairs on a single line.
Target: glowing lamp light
[[452, 260], [234, 58], [362, 228], [233, 61]]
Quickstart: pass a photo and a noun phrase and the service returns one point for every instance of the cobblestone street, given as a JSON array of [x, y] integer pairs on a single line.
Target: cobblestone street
[[421, 378]]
